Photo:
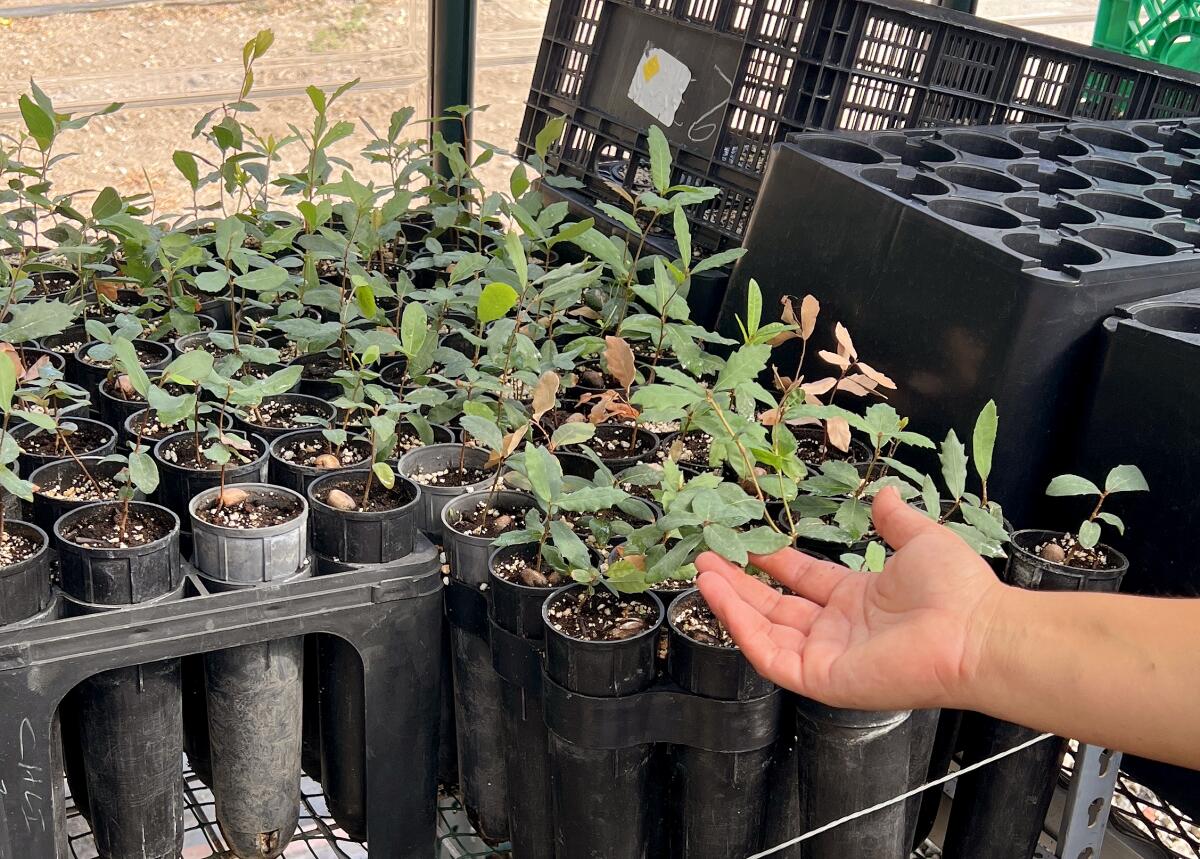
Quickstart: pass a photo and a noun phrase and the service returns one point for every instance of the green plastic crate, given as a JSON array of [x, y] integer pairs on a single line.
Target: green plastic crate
[[1165, 31]]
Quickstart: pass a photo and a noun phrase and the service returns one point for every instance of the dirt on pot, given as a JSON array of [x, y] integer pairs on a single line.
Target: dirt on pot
[[78, 487], [380, 500], [184, 453], [152, 430], [250, 509], [601, 615], [691, 448], [285, 414], [101, 529], [619, 444], [15, 548], [1067, 551], [450, 476]]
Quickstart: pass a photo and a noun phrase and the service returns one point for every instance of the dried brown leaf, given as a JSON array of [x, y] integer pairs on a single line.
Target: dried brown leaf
[[788, 314], [839, 433], [544, 393], [770, 417], [783, 337], [818, 388], [838, 360], [845, 344], [513, 440], [858, 384], [875, 376], [810, 308], [107, 288], [619, 358], [35, 369]]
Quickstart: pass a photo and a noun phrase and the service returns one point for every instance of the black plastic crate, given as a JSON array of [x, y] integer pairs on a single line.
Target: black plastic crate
[[762, 69], [972, 264]]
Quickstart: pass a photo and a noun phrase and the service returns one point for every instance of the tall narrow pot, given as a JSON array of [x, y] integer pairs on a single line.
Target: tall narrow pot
[[363, 536], [437, 457]]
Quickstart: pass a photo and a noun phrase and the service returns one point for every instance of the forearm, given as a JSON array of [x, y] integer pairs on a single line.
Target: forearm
[[1115, 671]]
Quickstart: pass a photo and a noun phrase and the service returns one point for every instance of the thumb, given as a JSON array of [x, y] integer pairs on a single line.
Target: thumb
[[895, 521]]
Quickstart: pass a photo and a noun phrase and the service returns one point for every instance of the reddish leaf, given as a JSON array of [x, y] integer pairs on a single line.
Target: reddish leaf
[[107, 288], [15, 357], [34, 371], [770, 417]]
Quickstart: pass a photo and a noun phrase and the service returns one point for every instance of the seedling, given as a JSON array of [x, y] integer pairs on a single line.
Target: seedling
[[1081, 548]]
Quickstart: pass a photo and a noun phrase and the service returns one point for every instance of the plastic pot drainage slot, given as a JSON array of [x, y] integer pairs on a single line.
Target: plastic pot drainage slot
[[913, 151], [1050, 212], [905, 183], [983, 145], [1048, 144], [1049, 178], [975, 213], [1054, 255]]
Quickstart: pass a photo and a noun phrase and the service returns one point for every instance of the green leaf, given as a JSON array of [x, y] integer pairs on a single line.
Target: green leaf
[[544, 473], [107, 203], [483, 431], [185, 163], [8, 383], [683, 236], [875, 557], [985, 523], [550, 132], [1126, 478], [495, 301], [40, 319], [1114, 520], [764, 540], [279, 382], [572, 548], [589, 499], [983, 440], [189, 369], [414, 328], [384, 473], [953, 456], [725, 542], [753, 309], [744, 365], [128, 360], [265, 279], [572, 433], [143, 472], [516, 257], [365, 298], [1089, 535], [38, 121], [9, 481], [1071, 484], [660, 159]]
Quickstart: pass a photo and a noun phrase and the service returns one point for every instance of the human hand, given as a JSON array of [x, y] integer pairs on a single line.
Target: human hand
[[905, 638]]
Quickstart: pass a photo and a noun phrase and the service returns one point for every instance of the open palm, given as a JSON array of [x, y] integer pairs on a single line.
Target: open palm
[[904, 638]]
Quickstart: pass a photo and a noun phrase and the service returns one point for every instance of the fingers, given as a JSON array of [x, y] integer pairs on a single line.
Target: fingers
[[804, 575], [774, 651], [896, 522], [794, 612]]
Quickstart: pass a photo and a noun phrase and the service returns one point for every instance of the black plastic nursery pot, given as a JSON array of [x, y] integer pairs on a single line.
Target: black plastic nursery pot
[[999, 811], [296, 476], [180, 482], [90, 438], [25, 585], [423, 461], [114, 409], [89, 375], [478, 690], [47, 509], [255, 703], [363, 536], [850, 760], [318, 412], [602, 806], [129, 720], [312, 382], [607, 435], [517, 639], [135, 422], [737, 783]]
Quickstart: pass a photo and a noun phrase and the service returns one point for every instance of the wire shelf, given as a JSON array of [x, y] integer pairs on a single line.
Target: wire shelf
[[318, 836]]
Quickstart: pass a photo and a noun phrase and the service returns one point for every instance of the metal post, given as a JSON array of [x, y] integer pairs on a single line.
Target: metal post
[[451, 66], [1089, 801]]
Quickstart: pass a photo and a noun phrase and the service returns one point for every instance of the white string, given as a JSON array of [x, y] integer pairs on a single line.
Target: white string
[[813, 833]]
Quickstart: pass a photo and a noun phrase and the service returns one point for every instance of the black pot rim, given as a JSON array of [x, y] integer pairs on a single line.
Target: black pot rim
[[652, 629], [36, 556], [361, 515], [137, 341], [294, 435], [133, 435], [1039, 533], [144, 549], [517, 586], [253, 438], [716, 648], [56, 358], [292, 395], [87, 459], [243, 339], [27, 428], [636, 457], [455, 446], [451, 505]]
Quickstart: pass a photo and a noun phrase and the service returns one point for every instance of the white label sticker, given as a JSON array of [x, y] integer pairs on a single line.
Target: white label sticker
[[658, 84]]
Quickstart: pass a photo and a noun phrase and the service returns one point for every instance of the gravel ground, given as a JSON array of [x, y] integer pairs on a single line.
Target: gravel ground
[[172, 62]]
